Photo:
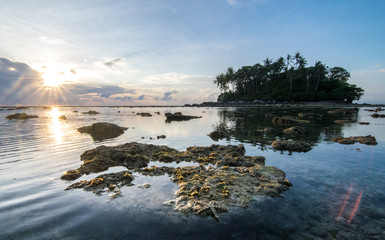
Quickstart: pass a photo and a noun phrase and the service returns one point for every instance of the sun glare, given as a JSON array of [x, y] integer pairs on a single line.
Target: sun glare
[[53, 79], [55, 75]]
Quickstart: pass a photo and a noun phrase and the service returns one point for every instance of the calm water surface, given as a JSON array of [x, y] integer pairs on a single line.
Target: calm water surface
[[338, 192]]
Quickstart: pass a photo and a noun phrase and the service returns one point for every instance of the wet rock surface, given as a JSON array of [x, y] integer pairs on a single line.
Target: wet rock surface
[[21, 116], [178, 116], [294, 146], [368, 140], [103, 130], [224, 177]]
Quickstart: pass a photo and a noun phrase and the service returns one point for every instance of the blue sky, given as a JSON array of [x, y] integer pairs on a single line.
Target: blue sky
[[162, 52]]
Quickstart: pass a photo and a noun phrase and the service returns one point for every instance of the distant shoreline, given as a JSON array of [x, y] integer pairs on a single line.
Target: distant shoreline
[[217, 104]]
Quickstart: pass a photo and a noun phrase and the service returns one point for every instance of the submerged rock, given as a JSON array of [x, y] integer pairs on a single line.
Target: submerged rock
[[294, 146], [224, 177], [342, 122], [368, 140], [178, 116], [21, 116], [342, 111], [295, 131], [103, 130], [288, 120]]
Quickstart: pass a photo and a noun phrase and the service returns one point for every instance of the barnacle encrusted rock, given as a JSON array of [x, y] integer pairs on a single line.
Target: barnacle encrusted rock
[[223, 176], [178, 116]]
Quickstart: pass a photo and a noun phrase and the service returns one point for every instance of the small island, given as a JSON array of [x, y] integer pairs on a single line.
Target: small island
[[287, 80]]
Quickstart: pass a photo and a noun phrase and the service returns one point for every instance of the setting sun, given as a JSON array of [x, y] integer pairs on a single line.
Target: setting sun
[[53, 78]]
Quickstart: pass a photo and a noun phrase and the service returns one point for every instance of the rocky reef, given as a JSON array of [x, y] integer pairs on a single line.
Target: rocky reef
[[103, 130], [21, 116], [368, 140], [223, 177], [178, 116]]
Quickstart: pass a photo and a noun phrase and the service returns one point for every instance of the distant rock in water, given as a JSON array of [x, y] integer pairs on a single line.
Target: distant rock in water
[[295, 131], [288, 120], [144, 114], [103, 130], [364, 123], [63, 117], [224, 177], [368, 140], [91, 112], [21, 116], [178, 116], [376, 115], [294, 146]]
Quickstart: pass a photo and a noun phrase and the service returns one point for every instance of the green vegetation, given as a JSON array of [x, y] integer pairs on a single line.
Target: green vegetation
[[287, 79]]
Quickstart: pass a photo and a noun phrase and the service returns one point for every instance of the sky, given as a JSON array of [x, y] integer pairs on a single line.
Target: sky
[[168, 52]]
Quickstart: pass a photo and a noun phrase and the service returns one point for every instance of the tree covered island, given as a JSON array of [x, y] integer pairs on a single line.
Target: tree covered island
[[287, 79]]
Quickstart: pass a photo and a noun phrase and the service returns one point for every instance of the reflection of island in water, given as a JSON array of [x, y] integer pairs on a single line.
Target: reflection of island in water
[[262, 126]]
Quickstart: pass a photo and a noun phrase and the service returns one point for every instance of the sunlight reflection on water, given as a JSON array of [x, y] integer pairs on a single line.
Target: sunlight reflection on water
[[56, 125]]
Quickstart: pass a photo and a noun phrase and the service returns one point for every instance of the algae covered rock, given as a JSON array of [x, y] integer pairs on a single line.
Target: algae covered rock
[[223, 178], [294, 146], [288, 120], [103, 130], [368, 140], [21, 116], [295, 131], [105, 182]]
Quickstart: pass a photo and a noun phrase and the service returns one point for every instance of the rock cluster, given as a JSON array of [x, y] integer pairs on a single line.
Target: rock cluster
[[224, 176], [103, 130]]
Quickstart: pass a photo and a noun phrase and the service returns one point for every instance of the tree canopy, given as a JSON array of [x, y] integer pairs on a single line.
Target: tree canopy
[[287, 79]]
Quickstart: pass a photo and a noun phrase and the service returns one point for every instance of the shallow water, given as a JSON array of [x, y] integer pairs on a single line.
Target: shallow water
[[338, 190]]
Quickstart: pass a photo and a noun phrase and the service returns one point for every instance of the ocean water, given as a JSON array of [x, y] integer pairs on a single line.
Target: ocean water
[[338, 190]]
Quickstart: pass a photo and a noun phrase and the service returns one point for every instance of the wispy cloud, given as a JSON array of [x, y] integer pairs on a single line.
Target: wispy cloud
[[56, 41], [112, 63]]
